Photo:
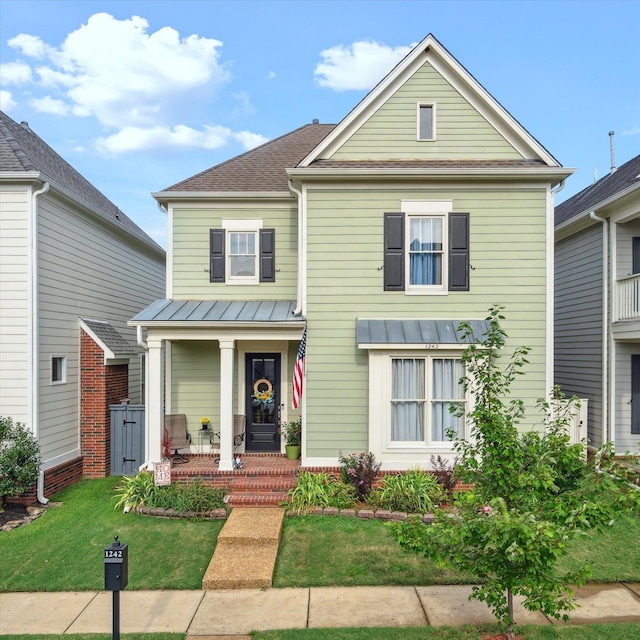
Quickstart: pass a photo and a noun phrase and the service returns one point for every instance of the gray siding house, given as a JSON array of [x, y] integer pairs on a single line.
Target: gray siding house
[[73, 270], [597, 304]]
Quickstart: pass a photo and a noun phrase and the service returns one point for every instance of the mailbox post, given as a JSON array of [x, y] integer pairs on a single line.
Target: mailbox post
[[116, 577]]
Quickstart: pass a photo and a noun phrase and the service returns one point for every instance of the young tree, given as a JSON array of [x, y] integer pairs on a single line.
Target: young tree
[[19, 459], [532, 492]]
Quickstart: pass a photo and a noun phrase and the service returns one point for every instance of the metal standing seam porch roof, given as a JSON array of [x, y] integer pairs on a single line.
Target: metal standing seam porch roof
[[386, 332], [218, 311]]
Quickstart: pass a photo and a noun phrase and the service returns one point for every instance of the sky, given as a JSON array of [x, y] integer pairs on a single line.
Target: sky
[[138, 96]]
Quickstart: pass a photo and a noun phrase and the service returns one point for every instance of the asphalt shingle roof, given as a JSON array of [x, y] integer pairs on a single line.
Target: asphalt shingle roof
[[262, 168], [118, 345], [22, 150], [599, 191]]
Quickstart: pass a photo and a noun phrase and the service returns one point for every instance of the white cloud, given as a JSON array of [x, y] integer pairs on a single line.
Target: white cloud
[[181, 136], [30, 46], [15, 73], [250, 140], [631, 132], [6, 101], [271, 75], [117, 72], [49, 105], [359, 66]]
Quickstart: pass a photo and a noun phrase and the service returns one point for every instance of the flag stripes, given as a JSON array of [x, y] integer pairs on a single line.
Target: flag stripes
[[298, 371]]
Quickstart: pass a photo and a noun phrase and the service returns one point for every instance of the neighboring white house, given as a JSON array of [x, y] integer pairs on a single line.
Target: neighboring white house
[[73, 269]]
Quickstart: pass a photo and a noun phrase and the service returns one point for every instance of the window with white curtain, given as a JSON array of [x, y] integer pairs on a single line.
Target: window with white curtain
[[426, 250], [423, 389]]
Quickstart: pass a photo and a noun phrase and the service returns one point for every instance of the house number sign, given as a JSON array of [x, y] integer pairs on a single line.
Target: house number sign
[[113, 553]]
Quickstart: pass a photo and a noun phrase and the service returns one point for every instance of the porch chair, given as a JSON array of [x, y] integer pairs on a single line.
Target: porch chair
[[239, 429], [180, 438]]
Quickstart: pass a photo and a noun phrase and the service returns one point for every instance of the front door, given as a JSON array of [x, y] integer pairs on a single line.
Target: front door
[[263, 401]]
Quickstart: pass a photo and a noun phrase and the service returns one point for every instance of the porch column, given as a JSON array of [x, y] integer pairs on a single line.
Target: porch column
[[154, 418], [226, 404]]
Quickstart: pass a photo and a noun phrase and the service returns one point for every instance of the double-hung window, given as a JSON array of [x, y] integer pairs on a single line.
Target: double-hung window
[[423, 391], [242, 252], [426, 248]]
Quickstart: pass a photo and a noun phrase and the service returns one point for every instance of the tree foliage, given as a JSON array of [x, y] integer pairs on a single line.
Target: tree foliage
[[19, 459], [532, 492]]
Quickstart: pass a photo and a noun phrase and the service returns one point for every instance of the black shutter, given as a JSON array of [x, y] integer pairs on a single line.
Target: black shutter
[[394, 251], [636, 255], [458, 252], [267, 255], [216, 255]]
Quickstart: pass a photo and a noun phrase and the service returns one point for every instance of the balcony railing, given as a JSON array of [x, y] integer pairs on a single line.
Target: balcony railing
[[628, 298]]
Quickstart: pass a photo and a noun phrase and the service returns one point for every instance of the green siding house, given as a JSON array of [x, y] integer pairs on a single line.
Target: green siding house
[[427, 204]]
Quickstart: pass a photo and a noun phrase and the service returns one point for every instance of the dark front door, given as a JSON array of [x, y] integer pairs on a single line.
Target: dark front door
[[263, 401]]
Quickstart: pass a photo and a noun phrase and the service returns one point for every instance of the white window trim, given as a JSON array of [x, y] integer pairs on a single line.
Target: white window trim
[[380, 372], [427, 209], [63, 360], [426, 103], [241, 226]]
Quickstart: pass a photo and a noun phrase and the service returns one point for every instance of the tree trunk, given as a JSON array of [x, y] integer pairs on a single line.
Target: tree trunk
[[510, 629]]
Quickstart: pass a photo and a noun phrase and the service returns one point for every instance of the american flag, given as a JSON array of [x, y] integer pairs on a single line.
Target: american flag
[[298, 371]]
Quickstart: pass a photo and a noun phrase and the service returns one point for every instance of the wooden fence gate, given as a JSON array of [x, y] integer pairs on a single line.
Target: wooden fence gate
[[127, 438]]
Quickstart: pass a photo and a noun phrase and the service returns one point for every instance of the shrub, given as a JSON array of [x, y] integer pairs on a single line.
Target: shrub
[[359, 470], [445, 471], [319, 490], [415, 491], [140, 490], [19, 459]]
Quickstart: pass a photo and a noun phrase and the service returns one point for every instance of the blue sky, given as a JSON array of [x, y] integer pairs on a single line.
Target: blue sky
[[140, 95]]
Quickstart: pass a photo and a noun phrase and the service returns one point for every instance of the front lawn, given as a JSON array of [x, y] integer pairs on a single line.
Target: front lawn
[[63, 549]]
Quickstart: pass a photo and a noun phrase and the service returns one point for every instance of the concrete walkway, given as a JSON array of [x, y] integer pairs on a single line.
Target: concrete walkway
[[236, 612]]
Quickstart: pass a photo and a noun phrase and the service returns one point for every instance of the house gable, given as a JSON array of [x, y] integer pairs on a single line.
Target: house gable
[[468, 122]]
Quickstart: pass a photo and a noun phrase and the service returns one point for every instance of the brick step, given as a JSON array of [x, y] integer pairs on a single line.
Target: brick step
[[265, 499], [258, 485]]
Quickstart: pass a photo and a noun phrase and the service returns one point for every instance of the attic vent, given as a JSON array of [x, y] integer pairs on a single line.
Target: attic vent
[[315, 121], [24, 124]]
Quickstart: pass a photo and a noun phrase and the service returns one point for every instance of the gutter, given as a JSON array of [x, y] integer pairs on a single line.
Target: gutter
[[605, 326], [34, 331]]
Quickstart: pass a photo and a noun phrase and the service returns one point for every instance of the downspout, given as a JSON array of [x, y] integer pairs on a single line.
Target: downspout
[[302, 232], [35, 334], [550, 291], [605, 325]]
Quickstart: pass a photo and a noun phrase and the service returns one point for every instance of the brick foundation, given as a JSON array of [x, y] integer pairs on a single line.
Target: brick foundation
[[101, 385]]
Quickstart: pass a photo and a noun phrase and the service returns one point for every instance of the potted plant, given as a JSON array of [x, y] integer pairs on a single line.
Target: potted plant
[[291, 431], [204, 422]]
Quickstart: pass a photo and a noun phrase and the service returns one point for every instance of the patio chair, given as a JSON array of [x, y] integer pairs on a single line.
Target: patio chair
[[180, 438], [239, 429]]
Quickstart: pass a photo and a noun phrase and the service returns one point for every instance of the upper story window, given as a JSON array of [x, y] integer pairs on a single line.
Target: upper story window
[[58, 369], [242, 252], [426, 122], [426, 249]]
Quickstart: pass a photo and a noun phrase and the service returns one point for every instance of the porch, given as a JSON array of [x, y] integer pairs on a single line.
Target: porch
[[626, 308]]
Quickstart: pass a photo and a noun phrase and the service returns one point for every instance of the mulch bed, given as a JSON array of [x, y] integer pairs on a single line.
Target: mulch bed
[[12, 512]]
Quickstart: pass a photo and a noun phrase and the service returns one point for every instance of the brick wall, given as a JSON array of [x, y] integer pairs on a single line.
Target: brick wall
[[101, 385]]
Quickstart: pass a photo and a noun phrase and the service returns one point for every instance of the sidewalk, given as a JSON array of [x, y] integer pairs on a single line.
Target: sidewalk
[[237, 612]]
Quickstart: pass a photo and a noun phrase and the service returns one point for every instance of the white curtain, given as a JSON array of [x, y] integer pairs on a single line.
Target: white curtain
[[425, 251], [408, 399], [445, 389]]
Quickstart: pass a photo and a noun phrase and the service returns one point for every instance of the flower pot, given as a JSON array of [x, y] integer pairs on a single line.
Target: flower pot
[[293, 451]]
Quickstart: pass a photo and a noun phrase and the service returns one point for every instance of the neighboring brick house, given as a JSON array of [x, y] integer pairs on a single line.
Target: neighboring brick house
[[73, 270]]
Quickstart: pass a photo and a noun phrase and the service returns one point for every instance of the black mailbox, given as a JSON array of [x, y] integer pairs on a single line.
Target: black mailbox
[[116, 566]]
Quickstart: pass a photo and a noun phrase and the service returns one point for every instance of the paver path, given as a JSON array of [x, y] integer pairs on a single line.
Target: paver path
[[247, 548]]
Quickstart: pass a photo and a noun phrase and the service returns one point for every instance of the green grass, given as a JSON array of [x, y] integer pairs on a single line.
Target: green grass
[[364, 552], [621, 631], [63, 549]]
